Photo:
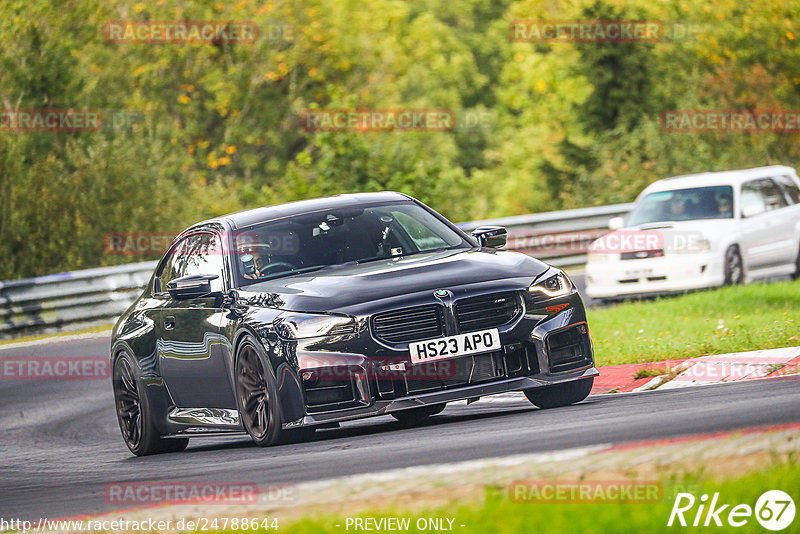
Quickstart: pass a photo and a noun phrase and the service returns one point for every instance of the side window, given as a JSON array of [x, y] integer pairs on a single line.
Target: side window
[[773, 196], [752, 201], [202, 254], [789, 185], [171, 268], [423, 236]]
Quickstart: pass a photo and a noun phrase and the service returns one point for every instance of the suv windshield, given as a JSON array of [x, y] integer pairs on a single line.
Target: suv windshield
[[309, 242], [684, 205]]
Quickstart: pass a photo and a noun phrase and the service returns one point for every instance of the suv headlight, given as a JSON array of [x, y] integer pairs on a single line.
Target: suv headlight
[[304, 325], [555, 285], [693, 247]]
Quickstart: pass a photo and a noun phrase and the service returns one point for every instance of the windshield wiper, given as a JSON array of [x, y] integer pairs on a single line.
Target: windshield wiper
[[432, 251], [291, 273]]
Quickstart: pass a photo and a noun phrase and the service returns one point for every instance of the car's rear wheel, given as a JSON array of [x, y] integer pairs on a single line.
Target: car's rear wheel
[[560, 394], [417, 415], [134, 412], [796, 274], [734, 270]]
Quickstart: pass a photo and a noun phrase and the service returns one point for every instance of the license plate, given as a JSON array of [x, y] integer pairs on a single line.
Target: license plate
[[454, 346], [639, 272]]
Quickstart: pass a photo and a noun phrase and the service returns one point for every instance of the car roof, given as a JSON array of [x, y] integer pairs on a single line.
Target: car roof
[[243, 219], [732, 178]]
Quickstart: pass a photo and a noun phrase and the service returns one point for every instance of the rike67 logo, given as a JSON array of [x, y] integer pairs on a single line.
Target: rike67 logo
[[774, 510]]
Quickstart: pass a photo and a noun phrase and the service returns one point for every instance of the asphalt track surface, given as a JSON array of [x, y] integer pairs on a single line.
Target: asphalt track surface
[[61, 445]]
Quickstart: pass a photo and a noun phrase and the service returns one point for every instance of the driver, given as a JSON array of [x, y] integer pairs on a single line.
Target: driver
[[724, 206], [258, 263]]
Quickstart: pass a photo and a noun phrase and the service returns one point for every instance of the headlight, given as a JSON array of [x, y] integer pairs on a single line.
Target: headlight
[[693, 247], [304, 325], [556, 285]]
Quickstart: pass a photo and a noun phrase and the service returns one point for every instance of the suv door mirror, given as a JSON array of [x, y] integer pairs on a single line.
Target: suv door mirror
[[191, 287], [490, 236], [615, 223]]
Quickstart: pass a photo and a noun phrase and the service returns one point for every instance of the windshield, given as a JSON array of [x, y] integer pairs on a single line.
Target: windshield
[[313, 241], [684, 205]]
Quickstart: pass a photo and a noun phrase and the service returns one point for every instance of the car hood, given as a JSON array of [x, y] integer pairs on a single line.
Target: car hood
[[675, 232], [706, 226], [346, 285]]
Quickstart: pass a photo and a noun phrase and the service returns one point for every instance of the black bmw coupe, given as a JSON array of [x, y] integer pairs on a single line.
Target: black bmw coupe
[[280, 320]]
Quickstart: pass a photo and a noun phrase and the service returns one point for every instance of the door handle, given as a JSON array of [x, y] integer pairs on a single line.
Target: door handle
[[169, 322]]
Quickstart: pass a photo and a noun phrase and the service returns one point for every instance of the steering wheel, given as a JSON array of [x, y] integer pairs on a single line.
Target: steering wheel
[[271, 266], [264, 250]]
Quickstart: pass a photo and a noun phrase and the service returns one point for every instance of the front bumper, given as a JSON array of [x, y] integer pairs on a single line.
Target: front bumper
[[437, 397], [548, 343], [666, 274]]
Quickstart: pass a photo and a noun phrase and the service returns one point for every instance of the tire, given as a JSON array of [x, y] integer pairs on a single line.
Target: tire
[[134, 413], [257, 395], [734, 269], [796, 273], [560, 394], [417, 415]]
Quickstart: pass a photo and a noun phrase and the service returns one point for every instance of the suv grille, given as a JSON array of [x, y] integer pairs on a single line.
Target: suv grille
[[641, 254], [486, 311], [409, 324]]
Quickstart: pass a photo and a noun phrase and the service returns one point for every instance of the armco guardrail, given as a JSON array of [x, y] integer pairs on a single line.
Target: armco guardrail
[[96, 296], [80, 298], [561, 238]]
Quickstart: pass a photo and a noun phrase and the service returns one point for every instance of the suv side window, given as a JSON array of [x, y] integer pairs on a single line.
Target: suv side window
[[790, 187], [752, 200], [773, 196], [202, 254]]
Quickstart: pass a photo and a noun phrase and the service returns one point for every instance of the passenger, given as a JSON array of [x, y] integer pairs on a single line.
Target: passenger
[[724, 207]]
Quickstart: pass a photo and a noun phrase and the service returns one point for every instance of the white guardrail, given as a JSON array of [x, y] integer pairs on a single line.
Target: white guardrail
[[77, 299]]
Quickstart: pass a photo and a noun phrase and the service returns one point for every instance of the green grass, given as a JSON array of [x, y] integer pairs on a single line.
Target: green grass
[[730, 319], [499, 514]]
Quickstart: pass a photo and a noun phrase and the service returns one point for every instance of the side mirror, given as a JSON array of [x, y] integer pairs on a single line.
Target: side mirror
[[615, 223], [490, 236], [191, 287]]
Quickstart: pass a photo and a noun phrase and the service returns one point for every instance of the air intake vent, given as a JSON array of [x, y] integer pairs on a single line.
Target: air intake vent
[[409, 324], [487, 311]]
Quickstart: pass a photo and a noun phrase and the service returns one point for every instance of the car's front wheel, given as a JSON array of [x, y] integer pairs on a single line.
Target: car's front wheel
[[134, 412], [796, 274], [417, 415], [257, 394], [734, 271], [560, 394]]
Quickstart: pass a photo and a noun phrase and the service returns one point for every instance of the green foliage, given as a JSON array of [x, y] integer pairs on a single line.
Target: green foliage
[[719, 321], [214, 128]]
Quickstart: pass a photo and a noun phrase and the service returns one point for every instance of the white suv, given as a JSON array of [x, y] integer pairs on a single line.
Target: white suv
[[701, 230]]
